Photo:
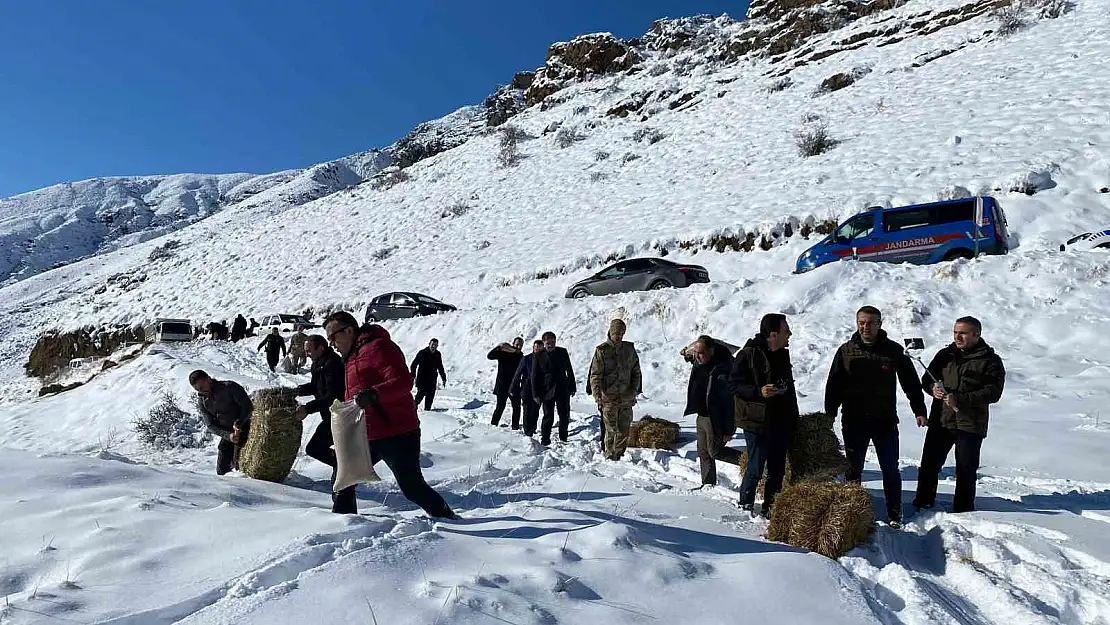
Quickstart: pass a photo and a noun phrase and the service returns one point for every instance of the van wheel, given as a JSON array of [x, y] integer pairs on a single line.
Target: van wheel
[[659, 284], [954, 254]]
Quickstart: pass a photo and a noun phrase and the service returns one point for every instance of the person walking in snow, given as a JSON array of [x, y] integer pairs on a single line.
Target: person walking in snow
[[708, 396], [225, 408], [275, 348], [326, 386], [964, 379], [253, 325], [425, 366], [863, 382], [762, 381], [297, 349], [522, 388], [508, 358], [377, 381], [615, 379], [238, 329], [552, 387]]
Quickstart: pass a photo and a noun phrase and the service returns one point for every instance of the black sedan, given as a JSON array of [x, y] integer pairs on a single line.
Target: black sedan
[[404, 305], [639, 274]]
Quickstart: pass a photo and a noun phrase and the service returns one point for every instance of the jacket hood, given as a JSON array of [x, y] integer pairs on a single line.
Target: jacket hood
[[721, 354], [758, 341], [371, 332]]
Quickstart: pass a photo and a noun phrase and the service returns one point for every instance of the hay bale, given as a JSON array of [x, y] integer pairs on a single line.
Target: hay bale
[[653, 432], [815, 451], [275, 435], [829, 518]]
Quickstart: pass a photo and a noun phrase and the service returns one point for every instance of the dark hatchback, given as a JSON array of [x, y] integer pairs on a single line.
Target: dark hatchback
[[639, 274], [403, 306]]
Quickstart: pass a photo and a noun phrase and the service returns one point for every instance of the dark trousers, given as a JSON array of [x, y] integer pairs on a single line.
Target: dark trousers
[[857, 436], [711, 449], [272, 360], [764, 450], [601, 420], [401, 454], [531, 415], [227, 456], [427, 394], [562, 403], [938, 442], [319, 446], [500, 408]]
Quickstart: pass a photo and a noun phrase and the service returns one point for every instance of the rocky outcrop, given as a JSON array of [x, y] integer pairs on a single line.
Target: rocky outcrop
[[698, 31], [503, 104], [583, 57]]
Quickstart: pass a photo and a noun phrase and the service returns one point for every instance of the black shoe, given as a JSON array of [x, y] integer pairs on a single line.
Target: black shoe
[[894, 517], [344, 502]]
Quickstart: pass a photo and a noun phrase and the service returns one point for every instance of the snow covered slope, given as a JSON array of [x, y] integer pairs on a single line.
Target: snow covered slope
[[704, 152]]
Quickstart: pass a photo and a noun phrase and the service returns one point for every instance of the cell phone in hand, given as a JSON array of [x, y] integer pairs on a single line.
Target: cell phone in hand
[[914, 343]]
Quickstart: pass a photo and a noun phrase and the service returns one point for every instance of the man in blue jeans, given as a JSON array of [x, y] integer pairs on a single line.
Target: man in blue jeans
[[762, 381], [863, 381]]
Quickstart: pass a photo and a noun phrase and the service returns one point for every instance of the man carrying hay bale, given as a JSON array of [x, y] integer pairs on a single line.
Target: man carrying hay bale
[[226, 409], [708, 397], [615, 382], [762, 381], [863, 380], [275, 437], [380, 384]]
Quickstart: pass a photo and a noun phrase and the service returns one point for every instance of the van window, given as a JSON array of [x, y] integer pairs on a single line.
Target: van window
[[856, 227], [175, 328], [898, 221], [952, 213]]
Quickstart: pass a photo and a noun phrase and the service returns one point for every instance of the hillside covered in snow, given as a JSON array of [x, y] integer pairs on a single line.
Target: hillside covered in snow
[[694, 142]]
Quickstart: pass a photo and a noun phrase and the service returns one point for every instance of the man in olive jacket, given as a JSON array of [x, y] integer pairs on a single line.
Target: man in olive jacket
[[863, 379], [762, 381], [615, 381], [226, 409], [971, 377]]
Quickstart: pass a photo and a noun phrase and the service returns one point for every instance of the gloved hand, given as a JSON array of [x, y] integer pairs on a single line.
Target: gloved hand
[[367, 398]]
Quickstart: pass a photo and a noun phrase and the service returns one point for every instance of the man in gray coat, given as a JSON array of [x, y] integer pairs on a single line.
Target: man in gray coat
[[225, 408]]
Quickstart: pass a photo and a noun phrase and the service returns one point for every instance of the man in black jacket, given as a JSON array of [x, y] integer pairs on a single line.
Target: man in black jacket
[[863, 380], [762, 381], [708, 396], [552, 386], [226, 409], [508, 358], [327, 385], [427, 363], [238, 329], [522, 388], [274, 345], [971, 377]]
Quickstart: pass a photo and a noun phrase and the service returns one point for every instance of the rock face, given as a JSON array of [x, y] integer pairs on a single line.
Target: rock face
[[589, 55], [684, 33]]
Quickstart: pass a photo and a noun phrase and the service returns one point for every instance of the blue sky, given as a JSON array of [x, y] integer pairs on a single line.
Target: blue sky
[[123, 87]]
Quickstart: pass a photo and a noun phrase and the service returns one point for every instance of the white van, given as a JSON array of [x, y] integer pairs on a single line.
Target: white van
[[286, 324], [161, 330]]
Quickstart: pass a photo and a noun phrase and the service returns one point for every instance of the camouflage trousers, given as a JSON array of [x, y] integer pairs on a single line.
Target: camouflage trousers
[[618, 423]]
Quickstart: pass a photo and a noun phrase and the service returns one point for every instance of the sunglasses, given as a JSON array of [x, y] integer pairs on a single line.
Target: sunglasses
[[331, 337]]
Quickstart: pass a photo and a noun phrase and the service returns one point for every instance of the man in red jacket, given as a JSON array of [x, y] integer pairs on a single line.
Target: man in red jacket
[[379, 382]]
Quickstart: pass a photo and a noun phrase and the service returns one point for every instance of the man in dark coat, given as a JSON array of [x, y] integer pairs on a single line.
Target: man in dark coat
[[238, 329], [275, 348], [522, 388], [708, 396], [964, 379], [326, 386], [427, 364], [863, 379], [225, 408], [552, 386], [762, 381], [508, 358], [377, 381]]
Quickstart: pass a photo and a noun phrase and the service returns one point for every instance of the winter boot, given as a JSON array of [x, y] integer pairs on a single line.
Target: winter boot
[[345, 502]]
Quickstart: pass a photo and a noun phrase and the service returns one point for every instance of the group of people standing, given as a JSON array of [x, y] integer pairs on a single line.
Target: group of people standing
[[751, 389]]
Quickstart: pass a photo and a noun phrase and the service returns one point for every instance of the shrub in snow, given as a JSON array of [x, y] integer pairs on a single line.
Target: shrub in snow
[[458, 209], [813, 139], [164, 251], [839, 81], [780, 85], [167, 426], [648, 135], [383, 253], [581, 109], [598, 176], [1052, 9], [601, 155], [953, 192], [566, 137], [508, 153], [658, 69], [629, 157], [1011, 18], [388, 178]]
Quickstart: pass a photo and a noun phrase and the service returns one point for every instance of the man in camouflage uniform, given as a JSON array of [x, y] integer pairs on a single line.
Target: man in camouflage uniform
[[615, 381], [296, 349]]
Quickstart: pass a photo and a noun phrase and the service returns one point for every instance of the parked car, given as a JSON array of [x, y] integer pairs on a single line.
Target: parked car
[[1088, 241], [286, 324], [920, 234], [402, 305], [161, 330], [638, 274]]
